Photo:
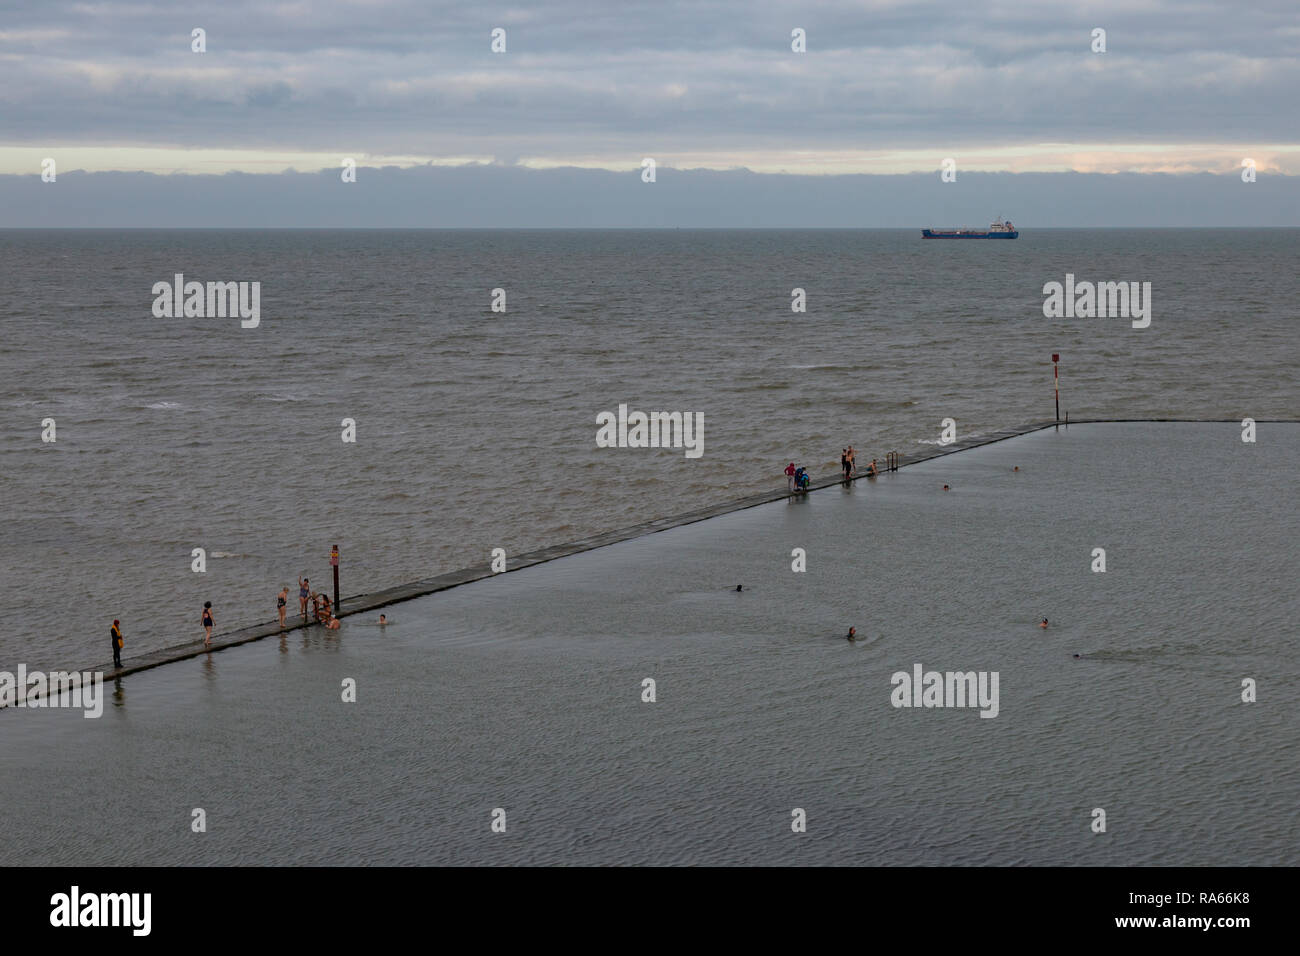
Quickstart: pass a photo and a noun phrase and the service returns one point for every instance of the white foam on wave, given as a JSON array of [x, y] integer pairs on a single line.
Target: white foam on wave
[[935, 441]]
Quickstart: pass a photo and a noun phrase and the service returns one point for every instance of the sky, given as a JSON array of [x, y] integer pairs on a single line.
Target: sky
[[883, 92]]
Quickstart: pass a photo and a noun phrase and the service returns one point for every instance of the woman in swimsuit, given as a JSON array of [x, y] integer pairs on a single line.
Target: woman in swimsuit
[[207, 623], [303, 592], [280, 603]]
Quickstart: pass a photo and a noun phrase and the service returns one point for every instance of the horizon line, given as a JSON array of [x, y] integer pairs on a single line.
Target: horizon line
[[601, 228]]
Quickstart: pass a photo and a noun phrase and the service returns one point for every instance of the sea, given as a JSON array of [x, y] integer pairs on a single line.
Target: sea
[[475, 428], [628, 706]]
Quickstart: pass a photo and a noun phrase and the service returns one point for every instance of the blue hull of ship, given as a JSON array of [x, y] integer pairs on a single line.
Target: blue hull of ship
[[968, 235]]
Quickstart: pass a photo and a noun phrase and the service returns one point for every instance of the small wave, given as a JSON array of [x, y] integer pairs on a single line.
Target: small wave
[[1147, 653], [165, 405], [833, 367], [118, 362], [935, 441], [227, 554]]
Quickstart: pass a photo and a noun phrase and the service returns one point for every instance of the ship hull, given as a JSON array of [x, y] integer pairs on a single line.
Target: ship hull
[[939, 234]]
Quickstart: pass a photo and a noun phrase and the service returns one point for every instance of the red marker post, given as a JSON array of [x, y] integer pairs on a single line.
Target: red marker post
[[334, 563], [1056, 378]]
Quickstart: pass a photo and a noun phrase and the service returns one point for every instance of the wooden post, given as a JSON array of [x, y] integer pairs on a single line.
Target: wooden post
[[1056, 379], [334, 561]]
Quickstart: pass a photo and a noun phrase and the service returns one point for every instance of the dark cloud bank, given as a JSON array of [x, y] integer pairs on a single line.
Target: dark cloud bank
[[486, 196]]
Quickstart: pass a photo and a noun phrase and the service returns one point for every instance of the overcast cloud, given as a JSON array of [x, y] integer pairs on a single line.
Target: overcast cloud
[[595, 80], [884, 87]]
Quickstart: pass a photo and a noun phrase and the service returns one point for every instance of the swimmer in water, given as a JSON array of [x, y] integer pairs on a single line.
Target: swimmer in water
[[945, 487], [740, 587], [1043, 623], [383, 620], [1076, 657], [1017, 468], [852, 635]]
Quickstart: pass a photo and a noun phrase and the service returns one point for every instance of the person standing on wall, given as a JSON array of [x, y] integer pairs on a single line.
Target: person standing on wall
[[115, 632]]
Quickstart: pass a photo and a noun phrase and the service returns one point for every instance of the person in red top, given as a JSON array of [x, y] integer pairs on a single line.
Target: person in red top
[[789, 477]]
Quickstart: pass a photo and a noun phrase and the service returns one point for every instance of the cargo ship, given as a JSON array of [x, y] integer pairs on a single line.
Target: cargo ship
[[997, 230]]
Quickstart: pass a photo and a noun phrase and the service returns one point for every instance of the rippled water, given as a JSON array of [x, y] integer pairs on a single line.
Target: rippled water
[[523, 691], [476, 429]]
